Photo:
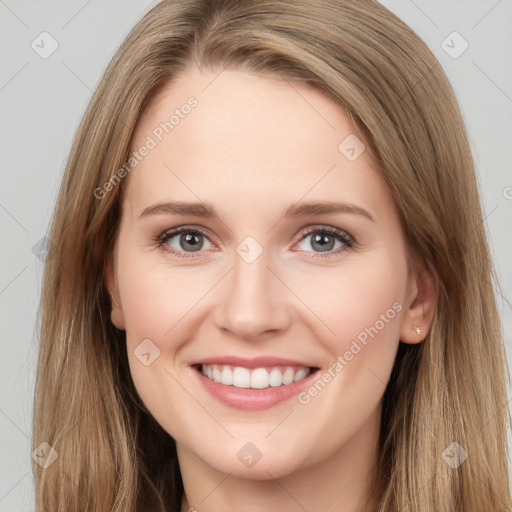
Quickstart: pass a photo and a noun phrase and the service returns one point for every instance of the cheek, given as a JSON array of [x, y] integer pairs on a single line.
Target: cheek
[[161, 303], [360, 300], [370, 312], [360, 306], [156, 297], [158, 306]]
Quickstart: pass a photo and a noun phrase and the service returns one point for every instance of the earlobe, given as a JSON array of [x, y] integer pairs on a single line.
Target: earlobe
[[116, 312], [420, 307]]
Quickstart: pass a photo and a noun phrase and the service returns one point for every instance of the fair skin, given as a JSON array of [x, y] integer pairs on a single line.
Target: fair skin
[[252, 147]]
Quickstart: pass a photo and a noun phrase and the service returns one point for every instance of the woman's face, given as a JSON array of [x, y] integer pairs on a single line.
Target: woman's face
[[291, 266]]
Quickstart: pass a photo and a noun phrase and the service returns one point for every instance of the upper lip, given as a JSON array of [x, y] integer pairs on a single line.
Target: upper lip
[[254, 362]]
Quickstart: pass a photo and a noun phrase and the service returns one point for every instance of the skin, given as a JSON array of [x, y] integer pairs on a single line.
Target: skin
[[253, 146]]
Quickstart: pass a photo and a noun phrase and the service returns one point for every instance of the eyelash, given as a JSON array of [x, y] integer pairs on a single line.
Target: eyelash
[[340, 235]]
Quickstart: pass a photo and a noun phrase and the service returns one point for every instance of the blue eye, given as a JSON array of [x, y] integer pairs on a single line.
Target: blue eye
[[192, 240]]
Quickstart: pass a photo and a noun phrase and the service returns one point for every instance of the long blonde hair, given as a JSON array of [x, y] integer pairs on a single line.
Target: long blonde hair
[[112, 454]]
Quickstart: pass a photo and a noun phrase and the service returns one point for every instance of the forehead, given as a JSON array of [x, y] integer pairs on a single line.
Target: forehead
[[247, 137]]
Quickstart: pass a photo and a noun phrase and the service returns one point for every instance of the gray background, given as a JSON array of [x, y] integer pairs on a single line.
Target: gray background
[[43, 99]]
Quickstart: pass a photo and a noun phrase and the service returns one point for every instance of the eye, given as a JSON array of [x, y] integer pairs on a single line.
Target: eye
[[323, 239], [183, 240]]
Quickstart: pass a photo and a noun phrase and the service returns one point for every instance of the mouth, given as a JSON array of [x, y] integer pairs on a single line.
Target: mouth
[[254, 378], [252, 384]]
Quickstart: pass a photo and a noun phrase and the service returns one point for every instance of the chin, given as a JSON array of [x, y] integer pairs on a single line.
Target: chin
[[254, 460]]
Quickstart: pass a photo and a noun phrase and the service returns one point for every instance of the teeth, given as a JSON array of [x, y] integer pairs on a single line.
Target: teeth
[[288, 376], [260, 378], [241, 377], [226, 377], [300, 374], [257, 378], [276, 377]]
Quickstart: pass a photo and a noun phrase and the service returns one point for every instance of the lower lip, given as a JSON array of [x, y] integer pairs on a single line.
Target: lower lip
[[252, 399]]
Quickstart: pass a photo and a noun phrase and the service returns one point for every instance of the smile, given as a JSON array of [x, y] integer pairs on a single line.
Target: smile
[[252, 384], [255, 378]]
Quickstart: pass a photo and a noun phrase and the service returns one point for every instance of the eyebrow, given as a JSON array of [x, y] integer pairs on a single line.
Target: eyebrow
[[296, 210]]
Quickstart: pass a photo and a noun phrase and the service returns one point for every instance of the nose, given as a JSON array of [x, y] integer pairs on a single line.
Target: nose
[[254, 302]]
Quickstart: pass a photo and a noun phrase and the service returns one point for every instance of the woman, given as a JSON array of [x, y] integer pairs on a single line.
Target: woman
[[271, 288]]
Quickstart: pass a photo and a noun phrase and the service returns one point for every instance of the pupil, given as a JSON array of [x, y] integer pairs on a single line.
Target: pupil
[[189, 239], [324, 246], [325, 242]]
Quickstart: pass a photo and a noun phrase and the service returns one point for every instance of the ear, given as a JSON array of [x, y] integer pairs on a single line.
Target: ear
[[419, 306], [116, 312]]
